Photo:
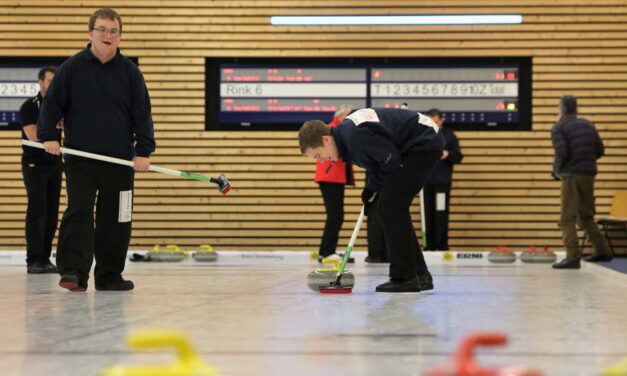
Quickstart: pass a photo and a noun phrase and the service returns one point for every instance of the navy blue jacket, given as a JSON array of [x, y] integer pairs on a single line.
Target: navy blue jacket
[[577, 146], [378, 139], [105, 107], [442, 173]]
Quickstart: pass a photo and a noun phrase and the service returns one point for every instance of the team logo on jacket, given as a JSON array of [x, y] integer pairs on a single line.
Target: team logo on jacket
[[427, 121], [365, 115]]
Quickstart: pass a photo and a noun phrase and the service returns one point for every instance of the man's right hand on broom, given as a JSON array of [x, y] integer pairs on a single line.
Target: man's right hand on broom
[[368, 197], [53, 147], [141, 163]]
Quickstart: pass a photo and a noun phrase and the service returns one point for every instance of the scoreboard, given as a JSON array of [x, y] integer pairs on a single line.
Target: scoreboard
[[17, 83], [264, 94], [487, 95], [249, 95]]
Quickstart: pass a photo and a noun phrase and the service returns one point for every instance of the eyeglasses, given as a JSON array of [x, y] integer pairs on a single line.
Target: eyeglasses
[[105, 31]]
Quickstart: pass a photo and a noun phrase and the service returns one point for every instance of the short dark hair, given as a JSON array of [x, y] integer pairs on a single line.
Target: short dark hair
[[106, 14], [310, 134], [48, 68], [568, 103], [434, 112]]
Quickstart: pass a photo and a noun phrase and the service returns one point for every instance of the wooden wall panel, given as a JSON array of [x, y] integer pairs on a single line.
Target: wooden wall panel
[[502, 193]]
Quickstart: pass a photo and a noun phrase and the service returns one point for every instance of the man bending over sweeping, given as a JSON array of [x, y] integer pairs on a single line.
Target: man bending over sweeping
[[398, 148]]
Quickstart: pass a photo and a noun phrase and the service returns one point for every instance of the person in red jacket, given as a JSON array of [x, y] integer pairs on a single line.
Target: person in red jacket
[[331, 178]]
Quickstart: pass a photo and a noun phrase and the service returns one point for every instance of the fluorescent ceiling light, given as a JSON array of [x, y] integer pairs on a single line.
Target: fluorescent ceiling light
[[470, 19]]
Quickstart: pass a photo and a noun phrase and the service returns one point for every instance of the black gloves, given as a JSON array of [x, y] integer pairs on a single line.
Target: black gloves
[[555, 176], [369, 197]]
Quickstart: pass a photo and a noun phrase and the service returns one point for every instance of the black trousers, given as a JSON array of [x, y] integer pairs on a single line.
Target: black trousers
[[436, 221], [376, 237], [107, 186], [43, 188], [333, 196], [406, 258]]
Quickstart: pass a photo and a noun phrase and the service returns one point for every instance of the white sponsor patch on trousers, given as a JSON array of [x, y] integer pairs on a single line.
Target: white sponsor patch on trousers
[[365, 115], [425, 120], [440, 201], [125, 206]]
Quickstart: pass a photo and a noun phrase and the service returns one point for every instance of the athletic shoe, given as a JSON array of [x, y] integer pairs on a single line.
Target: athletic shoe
[[72, 283], [568, 264], [375, 260], [41, 268], [400, 285], [116, 284], [598, 258], [426, 281]]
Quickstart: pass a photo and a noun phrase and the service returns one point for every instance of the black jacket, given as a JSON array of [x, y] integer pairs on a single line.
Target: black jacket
[[577, 146], [442, 173], [105, 107], [378, 139], [29, 113]]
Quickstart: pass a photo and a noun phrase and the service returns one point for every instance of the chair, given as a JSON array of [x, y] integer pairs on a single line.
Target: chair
[[617, 217]]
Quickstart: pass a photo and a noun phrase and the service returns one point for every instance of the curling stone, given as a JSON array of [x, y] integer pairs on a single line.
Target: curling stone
[[171, 253], [464, 363], [502, 255], [619, 369], [186, 363], [536, 256], [205, 254], [326, 276], [334, 257]]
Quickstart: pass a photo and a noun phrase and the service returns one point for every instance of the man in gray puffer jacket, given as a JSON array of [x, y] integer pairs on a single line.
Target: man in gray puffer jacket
[[577, 147]]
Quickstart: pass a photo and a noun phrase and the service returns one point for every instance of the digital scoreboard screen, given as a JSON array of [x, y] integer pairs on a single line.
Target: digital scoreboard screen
[[17, 83], [487, 95], [280, 94]]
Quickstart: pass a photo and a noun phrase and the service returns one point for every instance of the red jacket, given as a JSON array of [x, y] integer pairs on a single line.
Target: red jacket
[[339, 172]]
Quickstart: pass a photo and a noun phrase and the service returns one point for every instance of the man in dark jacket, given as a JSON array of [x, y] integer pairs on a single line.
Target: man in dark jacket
[[397, 148], [437, 190], [103, 99], [42, 178], [332, 177], [577, 147]]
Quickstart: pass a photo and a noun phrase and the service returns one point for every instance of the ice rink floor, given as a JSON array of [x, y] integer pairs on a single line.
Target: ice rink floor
[[252, 314]]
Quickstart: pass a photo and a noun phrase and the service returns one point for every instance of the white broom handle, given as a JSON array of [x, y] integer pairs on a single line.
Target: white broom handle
[[103, 158], [423, 222], [340, 270], [357, 227]]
